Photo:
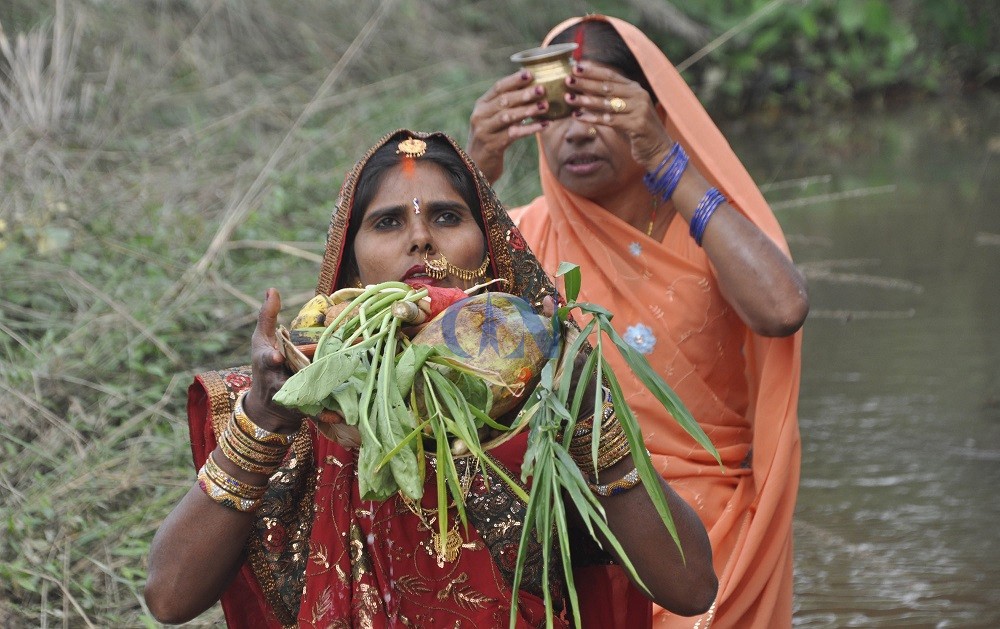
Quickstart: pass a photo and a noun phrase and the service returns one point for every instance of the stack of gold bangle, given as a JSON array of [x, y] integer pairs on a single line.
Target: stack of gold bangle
[[613, 446], [251, 447], [228, 490]]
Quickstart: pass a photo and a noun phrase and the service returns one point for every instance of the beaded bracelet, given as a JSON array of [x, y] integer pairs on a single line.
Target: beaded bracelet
[[619, 486], [662, 183], [706, 207]]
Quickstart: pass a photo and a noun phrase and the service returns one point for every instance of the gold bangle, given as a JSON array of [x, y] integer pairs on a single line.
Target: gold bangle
[[253, 449], [242, 461], [230, 483], [223, 496], [254, 431], [621, 485], [607, 458]]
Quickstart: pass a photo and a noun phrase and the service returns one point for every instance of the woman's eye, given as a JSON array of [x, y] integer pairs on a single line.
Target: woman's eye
[[386, 222], [448, 217]]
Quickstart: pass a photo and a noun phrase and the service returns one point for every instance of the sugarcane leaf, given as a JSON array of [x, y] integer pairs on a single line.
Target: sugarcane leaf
[[587, 373], [659, 388], [640, 457], [594, 309], [567, 362], [571, 279], [562, 528], [568, 468]]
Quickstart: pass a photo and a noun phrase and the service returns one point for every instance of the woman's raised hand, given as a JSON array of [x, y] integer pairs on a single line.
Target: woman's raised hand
[[269, 372], [600, 96], [498, 119]]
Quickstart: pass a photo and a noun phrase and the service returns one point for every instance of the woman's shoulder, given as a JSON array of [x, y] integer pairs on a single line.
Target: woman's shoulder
[[530, 214]]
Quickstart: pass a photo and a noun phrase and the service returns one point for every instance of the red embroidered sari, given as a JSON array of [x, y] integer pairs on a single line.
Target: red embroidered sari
[[320, 556]]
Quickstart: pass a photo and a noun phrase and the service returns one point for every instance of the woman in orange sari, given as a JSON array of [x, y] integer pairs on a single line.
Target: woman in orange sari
[[644, 193], [300, 547]]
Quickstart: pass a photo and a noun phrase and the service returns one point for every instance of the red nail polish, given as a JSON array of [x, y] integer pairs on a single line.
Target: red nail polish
[[571, 97], [539, 90], [541, 105], [578, 68], [572, 81], [525, 75]]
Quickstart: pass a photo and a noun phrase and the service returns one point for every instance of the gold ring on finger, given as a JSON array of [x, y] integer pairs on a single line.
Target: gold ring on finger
[[617, 105]]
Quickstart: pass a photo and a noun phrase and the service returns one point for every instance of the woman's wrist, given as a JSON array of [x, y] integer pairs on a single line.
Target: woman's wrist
[[258, 412]]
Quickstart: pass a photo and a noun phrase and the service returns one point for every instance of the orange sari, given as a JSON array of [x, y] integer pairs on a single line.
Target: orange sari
[[742, 388]]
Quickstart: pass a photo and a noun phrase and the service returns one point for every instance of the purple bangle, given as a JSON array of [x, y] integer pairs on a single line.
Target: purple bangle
[[706, 207]]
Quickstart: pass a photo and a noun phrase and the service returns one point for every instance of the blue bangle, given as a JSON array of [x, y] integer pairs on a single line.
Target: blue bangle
[[662, 181], [706, 207], [673, 175], [650, 178]]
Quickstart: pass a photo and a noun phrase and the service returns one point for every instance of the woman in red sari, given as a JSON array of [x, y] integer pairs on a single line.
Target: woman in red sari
[[309, 551], [643, 192]]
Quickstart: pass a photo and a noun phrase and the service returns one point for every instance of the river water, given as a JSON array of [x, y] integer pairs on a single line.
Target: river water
[[894, 218]]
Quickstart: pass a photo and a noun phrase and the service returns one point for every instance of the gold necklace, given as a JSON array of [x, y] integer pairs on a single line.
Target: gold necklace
[[652, 219], [444, 549]]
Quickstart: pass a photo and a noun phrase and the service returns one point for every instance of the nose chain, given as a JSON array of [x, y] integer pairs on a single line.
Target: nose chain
[[439, 268]]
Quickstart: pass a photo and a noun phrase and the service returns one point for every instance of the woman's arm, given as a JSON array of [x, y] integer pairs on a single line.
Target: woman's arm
[[198, 549], [755, 276], [683, 585]]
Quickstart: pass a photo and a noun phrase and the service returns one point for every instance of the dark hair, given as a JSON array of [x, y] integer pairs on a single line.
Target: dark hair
[[439, 152], [603, 44]]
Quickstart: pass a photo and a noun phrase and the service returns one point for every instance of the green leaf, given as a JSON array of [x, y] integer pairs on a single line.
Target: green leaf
[[571, 278], [659, 388], [311, 385]]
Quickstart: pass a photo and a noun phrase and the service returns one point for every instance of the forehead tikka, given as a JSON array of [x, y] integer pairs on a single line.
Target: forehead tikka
[[412, 147]]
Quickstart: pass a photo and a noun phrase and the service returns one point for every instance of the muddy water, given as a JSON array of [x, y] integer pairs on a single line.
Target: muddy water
[[895, 218]]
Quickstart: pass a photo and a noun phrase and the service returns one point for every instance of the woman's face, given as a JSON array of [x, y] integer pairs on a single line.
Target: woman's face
[[593, 166], [394, 237]]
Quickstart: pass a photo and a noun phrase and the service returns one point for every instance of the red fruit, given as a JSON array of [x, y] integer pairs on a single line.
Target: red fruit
[[440, 297]]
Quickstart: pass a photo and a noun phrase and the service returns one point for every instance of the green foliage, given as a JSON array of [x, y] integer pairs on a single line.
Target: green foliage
[[811, 55]]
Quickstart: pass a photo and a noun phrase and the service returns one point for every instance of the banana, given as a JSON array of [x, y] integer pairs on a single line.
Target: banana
[[312, 314]]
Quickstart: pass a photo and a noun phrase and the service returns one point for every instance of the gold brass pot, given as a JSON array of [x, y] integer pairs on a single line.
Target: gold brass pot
[[549, 65]]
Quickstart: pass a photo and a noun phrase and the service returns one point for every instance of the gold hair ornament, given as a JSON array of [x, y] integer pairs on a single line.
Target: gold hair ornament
[[412, 147]]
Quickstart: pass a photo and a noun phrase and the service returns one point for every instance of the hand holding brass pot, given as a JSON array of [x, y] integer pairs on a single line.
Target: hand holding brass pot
[[549, 65]]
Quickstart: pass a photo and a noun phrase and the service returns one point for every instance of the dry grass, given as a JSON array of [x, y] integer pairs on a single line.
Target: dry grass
[[161, 164]]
